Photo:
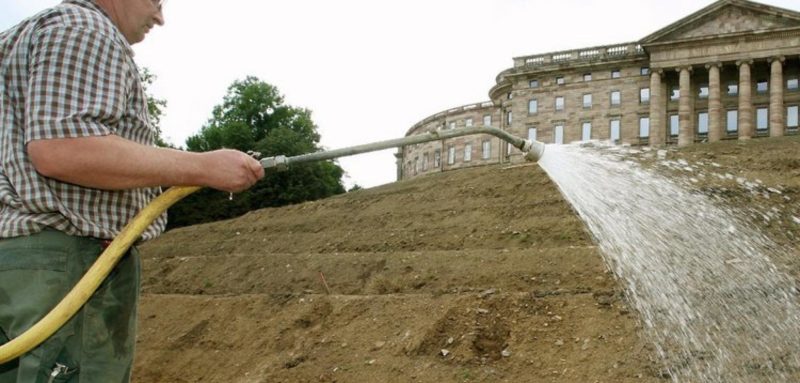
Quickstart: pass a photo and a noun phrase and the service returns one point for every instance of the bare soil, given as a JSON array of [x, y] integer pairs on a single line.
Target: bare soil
[[476, 275]]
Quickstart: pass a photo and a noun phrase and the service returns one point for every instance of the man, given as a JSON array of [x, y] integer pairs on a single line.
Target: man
[[77, 162]]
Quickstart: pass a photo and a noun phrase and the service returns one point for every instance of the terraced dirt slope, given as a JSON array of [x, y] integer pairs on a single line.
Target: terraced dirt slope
[[480, 275]]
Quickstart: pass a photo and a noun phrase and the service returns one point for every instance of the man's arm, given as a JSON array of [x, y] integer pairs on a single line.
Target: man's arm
[[114, 163]]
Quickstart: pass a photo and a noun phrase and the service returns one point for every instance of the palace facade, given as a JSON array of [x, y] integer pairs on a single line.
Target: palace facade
[[727, 71]]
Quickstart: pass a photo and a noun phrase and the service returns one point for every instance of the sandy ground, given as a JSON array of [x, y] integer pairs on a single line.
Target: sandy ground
[[476, 275]]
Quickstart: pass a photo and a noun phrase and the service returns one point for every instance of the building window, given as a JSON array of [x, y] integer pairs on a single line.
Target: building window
[[560, 80], [467, 152], [533, 83], [644, 95], [644, 71], [510, 95], [532, 134], [675, 93], [614, 128], [587, 77], [762, 119], [732, 121], [486, 147], [559, 134], [425, 162], [451, 155], [616, 73], [616, 98], [587, 100], [586, 131], [468, 122], [674, 125], [761, 86], [791, 84], [703, 93], [644, 127], [533, 106], [416, 165], [437, 159], [487, 120], [702, 123], [792, 117], [452, 125], [509, 118], [560, 103], [733, 89]]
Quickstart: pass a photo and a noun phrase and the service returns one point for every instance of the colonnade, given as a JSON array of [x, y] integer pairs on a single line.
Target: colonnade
[[686, 102]]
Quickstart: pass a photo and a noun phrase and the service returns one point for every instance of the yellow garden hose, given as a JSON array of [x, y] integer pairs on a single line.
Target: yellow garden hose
[[84, 289]]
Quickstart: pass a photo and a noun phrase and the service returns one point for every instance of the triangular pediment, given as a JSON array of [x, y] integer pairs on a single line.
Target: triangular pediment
[[726, 17]]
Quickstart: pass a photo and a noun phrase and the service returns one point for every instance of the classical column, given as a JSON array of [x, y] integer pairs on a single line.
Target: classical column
[[745, 101], [714, 103], [658, 109], [685, 108], [777, 117]]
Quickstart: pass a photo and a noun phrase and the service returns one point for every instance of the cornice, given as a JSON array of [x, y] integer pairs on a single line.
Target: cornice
[[498, 87], [543, 69]]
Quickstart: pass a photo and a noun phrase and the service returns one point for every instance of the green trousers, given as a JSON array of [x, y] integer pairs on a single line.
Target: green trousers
[[97, 344]]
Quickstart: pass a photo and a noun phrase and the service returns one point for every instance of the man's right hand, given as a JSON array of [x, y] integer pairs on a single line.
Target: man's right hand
[[231, 170]]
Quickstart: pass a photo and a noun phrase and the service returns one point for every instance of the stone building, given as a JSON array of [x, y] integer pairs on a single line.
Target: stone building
[[727, 71]]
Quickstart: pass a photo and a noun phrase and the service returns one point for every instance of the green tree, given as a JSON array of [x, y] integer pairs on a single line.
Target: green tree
[[254, 117], [155, 106]]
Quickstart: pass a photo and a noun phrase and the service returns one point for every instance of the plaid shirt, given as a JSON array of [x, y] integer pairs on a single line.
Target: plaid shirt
[[65, 73]]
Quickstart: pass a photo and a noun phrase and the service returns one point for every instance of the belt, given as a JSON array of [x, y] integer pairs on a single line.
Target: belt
[[105, 243]]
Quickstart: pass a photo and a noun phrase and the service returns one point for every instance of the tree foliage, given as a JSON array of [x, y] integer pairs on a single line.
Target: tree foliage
[[155, 106], [253, 117]]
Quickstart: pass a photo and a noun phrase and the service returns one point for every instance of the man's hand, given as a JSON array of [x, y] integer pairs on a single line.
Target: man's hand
[[231, 170]]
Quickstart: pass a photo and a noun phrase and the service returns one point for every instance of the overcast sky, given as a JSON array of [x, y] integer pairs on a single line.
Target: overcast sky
[[367, 69]]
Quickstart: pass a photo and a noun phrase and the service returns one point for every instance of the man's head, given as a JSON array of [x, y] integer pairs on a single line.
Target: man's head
[[134, 18]]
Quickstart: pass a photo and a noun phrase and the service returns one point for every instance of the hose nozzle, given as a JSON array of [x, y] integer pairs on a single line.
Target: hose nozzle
[[279, 163], [534, 150]]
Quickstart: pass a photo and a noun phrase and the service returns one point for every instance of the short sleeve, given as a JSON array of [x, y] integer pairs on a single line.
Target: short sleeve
[[77, 84]]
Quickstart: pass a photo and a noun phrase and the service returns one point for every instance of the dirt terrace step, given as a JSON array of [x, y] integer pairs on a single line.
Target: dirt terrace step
[[502, 337], [426, 231], [430, 272], [486, 207]]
